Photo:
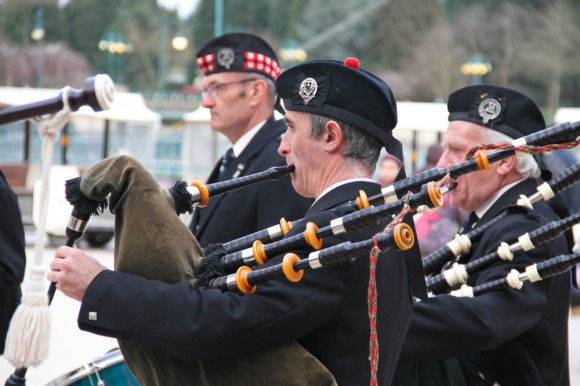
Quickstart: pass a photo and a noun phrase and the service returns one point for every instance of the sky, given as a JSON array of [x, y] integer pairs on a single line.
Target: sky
[[184, 8]]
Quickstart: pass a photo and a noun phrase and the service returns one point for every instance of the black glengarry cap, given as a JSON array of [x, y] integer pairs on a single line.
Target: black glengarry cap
[[498, 108], [343, 91]]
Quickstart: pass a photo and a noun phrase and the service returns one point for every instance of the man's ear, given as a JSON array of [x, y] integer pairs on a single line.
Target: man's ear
[[258, 91], [332, 136], [506, 165]]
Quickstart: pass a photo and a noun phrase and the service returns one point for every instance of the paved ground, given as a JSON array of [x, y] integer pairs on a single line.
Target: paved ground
[[71, 348]]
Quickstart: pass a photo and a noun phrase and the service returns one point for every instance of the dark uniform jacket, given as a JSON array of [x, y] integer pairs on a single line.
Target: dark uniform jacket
[[326, 311], [247, 210], [509, 336], [12, 256]]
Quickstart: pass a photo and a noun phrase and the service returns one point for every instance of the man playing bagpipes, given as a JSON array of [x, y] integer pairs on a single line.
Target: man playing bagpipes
[[508, 336], [339, 117], [238, 89]]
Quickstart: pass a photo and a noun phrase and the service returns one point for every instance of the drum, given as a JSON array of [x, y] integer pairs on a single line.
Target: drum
[[107, 370]]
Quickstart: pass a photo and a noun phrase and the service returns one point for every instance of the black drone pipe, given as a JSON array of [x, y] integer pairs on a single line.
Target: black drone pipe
[[200, 192], [429, 196], [245, 280], [533, 273], [458, 273]]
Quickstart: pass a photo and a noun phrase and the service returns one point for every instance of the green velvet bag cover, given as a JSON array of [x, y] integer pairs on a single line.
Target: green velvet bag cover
[[151, 241], [429, 373]]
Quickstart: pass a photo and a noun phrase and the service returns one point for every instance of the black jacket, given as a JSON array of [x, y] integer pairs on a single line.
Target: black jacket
[[12, 256], [512, 337], [238, 213], [326, 311]]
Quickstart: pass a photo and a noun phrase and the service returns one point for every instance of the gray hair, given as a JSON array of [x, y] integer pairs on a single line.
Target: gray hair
[[272, 96], [526, 166], [360, 146]]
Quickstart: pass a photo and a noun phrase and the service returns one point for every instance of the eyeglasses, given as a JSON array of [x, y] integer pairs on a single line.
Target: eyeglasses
[[214, 89]]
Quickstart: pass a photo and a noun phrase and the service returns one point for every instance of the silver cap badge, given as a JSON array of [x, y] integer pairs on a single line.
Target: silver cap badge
[[489, 109], [308, 89], [225, 57]]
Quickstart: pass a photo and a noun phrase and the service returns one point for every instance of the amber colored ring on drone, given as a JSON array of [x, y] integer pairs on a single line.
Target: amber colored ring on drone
[[482, 161], [242, 280], [203, 193], [435, 194], [285, 226], [310, 236], [362, 200], [259, 252], [288, 267], [404, 237]]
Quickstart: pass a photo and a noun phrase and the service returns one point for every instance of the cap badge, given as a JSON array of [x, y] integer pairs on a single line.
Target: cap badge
[[308, 89], [225, 57], [489, 109]]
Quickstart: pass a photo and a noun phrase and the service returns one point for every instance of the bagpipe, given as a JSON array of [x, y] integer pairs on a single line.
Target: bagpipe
[[97, 92], [458, 273], [128, 188], [461, 244], [153, 242]]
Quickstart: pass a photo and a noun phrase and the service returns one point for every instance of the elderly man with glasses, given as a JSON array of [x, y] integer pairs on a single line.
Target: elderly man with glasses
[[238, 88]]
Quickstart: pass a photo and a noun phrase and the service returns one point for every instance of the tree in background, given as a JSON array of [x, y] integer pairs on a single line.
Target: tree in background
[[335, 32], [552, 51], [432, 68], [398, 26], [416, 45]]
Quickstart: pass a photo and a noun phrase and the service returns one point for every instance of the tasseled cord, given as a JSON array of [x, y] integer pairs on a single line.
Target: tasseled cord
[[28, 337], [82, 206]]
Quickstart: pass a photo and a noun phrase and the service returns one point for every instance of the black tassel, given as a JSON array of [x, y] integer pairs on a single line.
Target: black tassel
[[181, 197], [209, 268], [80, 202]]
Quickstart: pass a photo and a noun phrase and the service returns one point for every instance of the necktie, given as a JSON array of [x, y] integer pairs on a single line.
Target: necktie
[[468, 224], [226, 160]]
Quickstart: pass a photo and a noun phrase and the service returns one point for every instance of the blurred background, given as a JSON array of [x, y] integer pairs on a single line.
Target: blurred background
[[423, 49]]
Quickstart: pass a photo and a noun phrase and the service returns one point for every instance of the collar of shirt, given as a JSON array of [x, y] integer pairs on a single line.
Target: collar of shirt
[[336, 185], [245, 139], [485, 207]]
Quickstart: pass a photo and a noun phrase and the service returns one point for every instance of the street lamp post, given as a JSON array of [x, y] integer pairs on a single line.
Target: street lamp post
[[116, 47], [477, 67], [179, 43], [37, 35]]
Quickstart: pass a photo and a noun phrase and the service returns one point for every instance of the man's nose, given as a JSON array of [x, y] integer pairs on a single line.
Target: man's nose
[[283, 149], [443, 160], [206, 100]]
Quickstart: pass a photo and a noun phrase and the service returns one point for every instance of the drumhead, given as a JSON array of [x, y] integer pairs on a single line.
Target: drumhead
[[101, 367]]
